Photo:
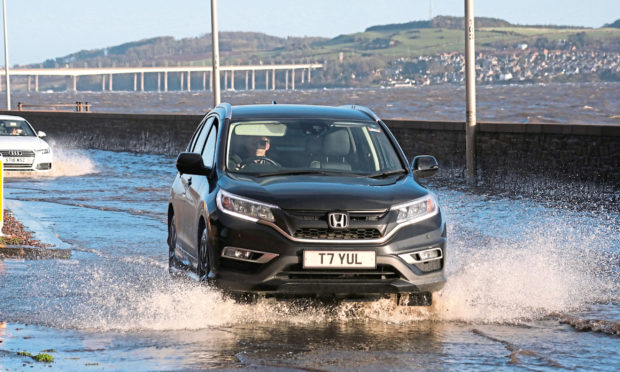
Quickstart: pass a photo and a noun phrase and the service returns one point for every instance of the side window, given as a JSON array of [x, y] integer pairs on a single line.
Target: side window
[[200, 142], [192, 142], [208, 152]]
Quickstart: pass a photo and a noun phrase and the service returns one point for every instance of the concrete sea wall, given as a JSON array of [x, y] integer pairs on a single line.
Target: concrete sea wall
[[537, 159], [568, 161]]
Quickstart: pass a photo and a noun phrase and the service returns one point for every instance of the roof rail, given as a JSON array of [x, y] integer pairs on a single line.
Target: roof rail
[[227, 109], [363, 109]]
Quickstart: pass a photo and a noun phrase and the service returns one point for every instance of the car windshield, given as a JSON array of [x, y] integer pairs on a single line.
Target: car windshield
[[311, 146], [15, 128]]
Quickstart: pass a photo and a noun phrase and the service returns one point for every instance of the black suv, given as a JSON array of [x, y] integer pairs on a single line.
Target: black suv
[[304, 201]]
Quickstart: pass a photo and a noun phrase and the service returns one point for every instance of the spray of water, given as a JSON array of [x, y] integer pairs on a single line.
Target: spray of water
[[524, 280], [506, 282], [554, 264], [67, 163]]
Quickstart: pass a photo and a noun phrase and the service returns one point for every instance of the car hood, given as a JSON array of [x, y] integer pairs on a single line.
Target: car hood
[[326, 192], [22, 143]]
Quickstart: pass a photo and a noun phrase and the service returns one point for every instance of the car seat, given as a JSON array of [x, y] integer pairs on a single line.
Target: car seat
[[336, 147], [313, 151]]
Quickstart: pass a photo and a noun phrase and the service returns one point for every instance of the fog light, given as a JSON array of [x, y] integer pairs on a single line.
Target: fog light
[[422, 256], [427, 255], [248, 255], [241, 253]]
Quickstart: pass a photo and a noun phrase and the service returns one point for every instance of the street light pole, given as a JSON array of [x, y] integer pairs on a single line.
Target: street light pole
[[470, 88], [216, 54], [6, 59]]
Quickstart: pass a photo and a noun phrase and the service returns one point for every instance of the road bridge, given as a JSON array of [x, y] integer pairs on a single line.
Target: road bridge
[[184, 73]]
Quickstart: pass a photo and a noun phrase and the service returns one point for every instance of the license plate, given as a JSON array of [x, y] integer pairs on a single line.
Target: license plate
[[340, 259], [18, 160]]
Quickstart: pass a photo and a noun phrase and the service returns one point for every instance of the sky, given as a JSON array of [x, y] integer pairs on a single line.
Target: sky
[[43, 29]]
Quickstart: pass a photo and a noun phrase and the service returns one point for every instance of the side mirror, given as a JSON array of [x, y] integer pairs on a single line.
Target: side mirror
[[424, 166], [41, 134], [191, 163]]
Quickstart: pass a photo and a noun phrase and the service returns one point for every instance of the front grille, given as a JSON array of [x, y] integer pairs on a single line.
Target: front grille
[[345, 234], [17, 167], [23, 153], [381, 273], [362, 216]]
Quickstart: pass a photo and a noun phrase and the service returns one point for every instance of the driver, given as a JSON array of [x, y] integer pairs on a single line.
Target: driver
[[259, 146], [253, 150]]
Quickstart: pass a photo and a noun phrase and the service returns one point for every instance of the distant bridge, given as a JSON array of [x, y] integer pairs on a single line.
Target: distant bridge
[[184, 73]]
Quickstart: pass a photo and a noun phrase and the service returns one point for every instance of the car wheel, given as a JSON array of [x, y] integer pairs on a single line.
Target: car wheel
[[172, 242], [204, 257]]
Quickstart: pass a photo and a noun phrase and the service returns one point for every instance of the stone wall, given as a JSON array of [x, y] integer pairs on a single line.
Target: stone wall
[[571, 161], [534, 159], [159, 134]]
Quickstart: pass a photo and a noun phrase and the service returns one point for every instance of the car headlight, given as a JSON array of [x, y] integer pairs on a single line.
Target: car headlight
[[43, 151], [241, 207], [416, 210]]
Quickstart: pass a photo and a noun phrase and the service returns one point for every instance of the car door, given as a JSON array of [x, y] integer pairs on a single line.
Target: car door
[[185, 213], [198, 190]]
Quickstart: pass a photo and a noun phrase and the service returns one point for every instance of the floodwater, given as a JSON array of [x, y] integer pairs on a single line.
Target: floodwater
[[530, 287], [589, 103]]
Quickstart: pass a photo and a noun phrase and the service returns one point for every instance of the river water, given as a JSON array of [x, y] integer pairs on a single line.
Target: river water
[[530, 287], [590, 103]]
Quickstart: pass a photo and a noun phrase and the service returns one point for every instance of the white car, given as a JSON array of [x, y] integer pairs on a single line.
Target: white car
[[21, 146]]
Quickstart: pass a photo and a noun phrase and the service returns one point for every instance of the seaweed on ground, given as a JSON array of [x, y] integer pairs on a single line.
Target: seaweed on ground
[[16, 234]]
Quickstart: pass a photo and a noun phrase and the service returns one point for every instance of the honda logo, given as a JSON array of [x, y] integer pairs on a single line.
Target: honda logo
[[15, 153], [338, 220]]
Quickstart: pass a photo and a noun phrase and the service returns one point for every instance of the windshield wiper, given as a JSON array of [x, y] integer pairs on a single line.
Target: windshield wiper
[[295, 173], [387, 174]]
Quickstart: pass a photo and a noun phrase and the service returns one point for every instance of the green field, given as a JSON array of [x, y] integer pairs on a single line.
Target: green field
[[430, 41]]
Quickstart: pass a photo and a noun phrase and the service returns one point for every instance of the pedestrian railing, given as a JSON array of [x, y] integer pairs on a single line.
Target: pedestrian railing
[[77, 106]]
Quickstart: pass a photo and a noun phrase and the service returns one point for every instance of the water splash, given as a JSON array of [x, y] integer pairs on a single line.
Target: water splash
[[510, 283], [524, 281], [508, 261], [67, 163]]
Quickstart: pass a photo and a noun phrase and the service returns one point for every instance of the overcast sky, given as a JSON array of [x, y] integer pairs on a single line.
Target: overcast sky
[[42, 29]]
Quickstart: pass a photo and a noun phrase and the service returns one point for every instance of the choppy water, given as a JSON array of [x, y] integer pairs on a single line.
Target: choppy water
[[520, 275], [592, 103]]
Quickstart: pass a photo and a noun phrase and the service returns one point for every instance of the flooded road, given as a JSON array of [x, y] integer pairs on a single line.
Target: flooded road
[[522, 277]]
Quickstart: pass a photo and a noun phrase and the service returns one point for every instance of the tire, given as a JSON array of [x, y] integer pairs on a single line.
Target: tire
[[172, 241], [205, 257]]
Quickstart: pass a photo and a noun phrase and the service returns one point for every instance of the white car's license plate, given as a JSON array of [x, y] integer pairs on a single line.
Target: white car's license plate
[[18, 160], [340, 259]]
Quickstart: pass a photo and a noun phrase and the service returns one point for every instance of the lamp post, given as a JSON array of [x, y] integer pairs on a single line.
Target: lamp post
[[216, 54], [470, 88], [6, 59]]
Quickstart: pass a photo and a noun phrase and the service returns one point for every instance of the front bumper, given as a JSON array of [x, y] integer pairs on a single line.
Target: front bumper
[[284, 274], [33, 163]]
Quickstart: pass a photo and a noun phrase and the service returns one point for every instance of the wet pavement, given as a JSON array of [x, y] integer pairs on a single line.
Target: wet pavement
[[520, 275]]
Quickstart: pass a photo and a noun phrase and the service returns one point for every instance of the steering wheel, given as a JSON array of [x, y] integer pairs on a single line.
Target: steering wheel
[[259, 160]]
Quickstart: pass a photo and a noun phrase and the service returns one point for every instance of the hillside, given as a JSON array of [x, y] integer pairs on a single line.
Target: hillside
[[167, 50], [352, 59]]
